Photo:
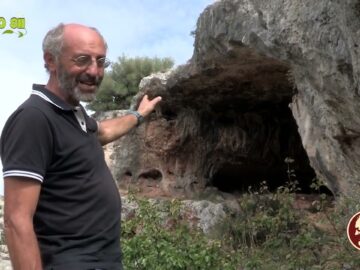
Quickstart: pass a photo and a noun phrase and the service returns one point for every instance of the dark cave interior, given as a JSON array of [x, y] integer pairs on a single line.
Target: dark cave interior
[[285, 164]]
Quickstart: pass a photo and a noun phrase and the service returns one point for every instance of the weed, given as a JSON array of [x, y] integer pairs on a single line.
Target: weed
[[158, 238], [267, 233]]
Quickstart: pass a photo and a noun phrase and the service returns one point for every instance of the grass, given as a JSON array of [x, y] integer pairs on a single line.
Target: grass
[[267, 233]]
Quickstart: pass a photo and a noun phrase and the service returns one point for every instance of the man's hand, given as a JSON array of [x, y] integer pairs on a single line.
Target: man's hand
[[146, 105], [112, 129]]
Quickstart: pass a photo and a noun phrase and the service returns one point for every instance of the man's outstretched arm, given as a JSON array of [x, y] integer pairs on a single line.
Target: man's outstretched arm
[[112, 129], [21, 197]]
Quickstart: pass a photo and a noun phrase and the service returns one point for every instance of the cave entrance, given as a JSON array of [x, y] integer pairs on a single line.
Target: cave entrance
[[275, 155], [236, 178]]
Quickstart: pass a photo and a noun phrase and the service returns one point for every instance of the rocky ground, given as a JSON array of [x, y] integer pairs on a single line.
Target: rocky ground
[[4, 257]]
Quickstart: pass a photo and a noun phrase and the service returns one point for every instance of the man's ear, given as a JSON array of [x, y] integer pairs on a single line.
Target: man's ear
[[50, 61]]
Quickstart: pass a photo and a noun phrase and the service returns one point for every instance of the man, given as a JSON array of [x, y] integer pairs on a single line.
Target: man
[[62, 207]]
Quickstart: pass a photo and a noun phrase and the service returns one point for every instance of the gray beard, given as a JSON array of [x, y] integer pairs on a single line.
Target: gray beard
[[79, 96], [69, 88]]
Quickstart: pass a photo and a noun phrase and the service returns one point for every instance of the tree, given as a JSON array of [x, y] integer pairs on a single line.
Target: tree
[[121, 83]]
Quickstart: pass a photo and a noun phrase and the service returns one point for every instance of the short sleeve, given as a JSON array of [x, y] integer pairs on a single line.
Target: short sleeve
[[26, 144]]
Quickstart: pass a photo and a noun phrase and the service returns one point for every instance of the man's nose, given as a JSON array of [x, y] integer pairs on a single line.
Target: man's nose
[[94, 69]]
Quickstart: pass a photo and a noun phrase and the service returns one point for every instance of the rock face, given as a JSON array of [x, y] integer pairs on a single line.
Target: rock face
[[268, 80]]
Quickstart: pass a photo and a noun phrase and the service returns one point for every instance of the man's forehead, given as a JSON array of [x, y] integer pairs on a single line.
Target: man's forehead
[[76, 35], [74, 31], [77, 27]]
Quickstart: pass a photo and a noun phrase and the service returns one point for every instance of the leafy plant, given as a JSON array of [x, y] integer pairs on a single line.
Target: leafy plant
[[267, 232], [158, 238], [270, 233]]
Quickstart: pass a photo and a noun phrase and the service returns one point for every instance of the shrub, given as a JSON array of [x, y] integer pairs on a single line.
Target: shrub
[[158, 238]]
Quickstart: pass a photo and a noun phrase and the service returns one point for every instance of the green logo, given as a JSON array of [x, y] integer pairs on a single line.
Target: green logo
[[14, 26]]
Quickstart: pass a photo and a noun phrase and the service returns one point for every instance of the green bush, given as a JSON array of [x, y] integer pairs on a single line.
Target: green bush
[[269, 233], [157, 238], [266, 233]]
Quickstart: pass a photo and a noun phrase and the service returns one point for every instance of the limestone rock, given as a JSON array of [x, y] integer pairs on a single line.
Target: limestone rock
[[207, 214], [319, 43], [268, 80], [202, 214]]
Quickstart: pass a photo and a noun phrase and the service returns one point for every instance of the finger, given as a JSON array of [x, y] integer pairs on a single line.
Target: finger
[[156, 100]]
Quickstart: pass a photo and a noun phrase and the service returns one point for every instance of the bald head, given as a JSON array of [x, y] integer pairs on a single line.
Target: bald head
[[76, 32], [64, 35], [79, 37]]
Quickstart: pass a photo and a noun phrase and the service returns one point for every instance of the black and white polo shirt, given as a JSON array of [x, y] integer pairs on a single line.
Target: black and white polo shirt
[[77, 220]]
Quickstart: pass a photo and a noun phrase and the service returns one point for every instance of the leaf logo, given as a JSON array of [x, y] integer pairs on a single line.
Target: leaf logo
[[9, 31], [19, 33]]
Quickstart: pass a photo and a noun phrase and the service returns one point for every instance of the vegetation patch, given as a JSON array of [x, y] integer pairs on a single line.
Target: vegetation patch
[[272, 230]]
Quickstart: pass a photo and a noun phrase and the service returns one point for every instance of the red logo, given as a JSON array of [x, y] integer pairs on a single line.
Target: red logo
[[353, 230]]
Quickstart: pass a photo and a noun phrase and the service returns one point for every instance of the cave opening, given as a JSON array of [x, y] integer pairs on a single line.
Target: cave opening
[[238, 178], [151, 175], [234, 178], [276, 157]]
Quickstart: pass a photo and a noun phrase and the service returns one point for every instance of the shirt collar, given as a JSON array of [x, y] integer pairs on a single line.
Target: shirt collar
[[41, 91]]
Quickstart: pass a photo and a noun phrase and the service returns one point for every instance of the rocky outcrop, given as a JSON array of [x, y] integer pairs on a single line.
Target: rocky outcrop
[[268, 80]]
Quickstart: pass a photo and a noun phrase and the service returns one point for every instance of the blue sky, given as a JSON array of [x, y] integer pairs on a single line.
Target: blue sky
[[131, 28]]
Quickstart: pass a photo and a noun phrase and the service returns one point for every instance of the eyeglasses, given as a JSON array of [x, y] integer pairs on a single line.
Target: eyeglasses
[[86, 61]]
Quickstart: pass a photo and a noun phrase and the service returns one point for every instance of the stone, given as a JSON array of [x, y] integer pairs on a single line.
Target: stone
[[207, 214], [202, 214], [268, 80]]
